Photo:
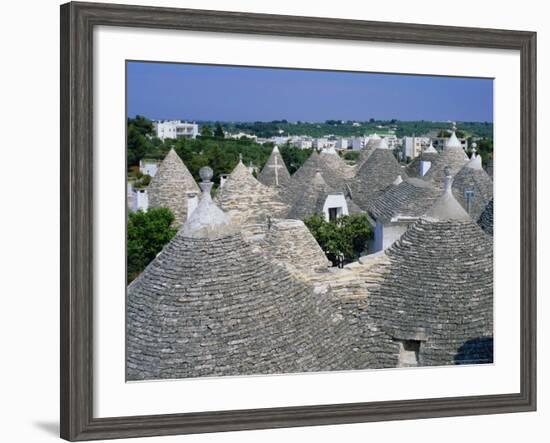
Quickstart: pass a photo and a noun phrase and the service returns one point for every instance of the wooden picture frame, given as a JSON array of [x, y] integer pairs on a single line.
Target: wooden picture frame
[[77, 23]]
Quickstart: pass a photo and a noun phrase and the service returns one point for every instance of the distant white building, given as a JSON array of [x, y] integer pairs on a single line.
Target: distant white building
[[137, 198], [392, 141], [240, 135], [149, 167], [357, 143], [175, 129], [440, 142], [279, 139], [412, 147], [342, 143], [302, 142], [320, 143]]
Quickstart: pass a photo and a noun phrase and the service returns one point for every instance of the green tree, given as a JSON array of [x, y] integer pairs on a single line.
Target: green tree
[[206, 131], [444, 133], [218, 132], [294, 157], [147, 233], [351, 156], [346, 235], [140, 130]]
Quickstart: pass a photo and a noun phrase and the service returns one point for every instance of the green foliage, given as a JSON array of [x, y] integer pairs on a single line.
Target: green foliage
[[484, 148], [446, 134], [218, 132], [140, 130], [222, 155], [206, 131], [347, 235], [294, 157], [209, 149], [347, 129], [351, 156], [147, 234]]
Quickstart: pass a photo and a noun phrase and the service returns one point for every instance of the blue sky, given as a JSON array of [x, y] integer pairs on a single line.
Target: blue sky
[[206, 92]]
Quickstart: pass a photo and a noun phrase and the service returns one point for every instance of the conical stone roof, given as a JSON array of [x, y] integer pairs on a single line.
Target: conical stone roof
[[454, 158], [485, 220], [247, 201], [410, 198], [291, 243], [169, 187], [438, 291], [274, 173], [378, 172], [335, 170], [310, 200], [210, 305], [364, 154], [413, 168], [472, 177]]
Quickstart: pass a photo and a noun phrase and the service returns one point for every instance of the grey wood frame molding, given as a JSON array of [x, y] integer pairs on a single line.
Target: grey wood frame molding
[[77, 23]]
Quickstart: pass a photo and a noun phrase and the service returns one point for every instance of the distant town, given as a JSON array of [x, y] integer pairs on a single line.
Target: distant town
[[410, 137]]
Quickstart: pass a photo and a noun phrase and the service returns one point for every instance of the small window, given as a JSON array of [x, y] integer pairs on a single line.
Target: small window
[[408, 353], [469, 197], [332, 214]]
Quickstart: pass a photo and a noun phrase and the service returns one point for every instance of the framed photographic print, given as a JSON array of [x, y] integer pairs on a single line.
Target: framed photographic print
[[272, 221]]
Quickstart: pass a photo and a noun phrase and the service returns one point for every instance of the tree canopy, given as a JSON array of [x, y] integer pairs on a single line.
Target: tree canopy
[[139, 144], [346, 235], [147, 233]]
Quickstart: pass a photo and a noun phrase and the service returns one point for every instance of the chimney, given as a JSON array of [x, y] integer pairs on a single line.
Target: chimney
[[206, 184], [192, 202], [448, 179], [223, 179]]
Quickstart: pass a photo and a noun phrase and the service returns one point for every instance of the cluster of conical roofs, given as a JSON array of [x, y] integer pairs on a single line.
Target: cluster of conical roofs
[[244, 288]]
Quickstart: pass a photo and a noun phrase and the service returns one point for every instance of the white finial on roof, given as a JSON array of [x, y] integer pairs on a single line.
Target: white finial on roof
[[430, 149], [275, 149], [453, 142], [474, 150], [207, 220], [382, 144], [330, 151], [240, 157], [475, 162], [447, 207]]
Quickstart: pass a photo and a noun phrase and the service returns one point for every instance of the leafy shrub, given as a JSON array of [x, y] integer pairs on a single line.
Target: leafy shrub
[[148, 232], [346, 235]]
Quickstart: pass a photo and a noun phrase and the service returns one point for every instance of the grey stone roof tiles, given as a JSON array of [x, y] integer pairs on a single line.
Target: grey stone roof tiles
[[410, 198], [311, 197], [413, 168], [378, 172], [485, 220], [247, 201], [478, 181], [275, 162], [454, 158], [365, 153], [335, 170], [439, 290], [291, 243], [213, 307], [169, 186]]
